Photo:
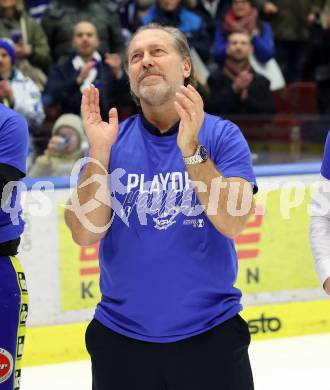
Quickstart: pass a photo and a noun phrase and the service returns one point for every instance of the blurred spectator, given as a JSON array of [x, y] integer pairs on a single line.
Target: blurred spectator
[[131, 12], [172, 13], [237, 89], [212, 11], [291, 22], [36, 8], [61, 16], [16, 90], [126, 10], [317, 68], [66, 81], [243, 16], [31, 46], [67, 144]]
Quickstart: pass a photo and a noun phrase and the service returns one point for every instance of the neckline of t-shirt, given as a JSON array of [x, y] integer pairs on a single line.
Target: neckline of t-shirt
[[145, 132]]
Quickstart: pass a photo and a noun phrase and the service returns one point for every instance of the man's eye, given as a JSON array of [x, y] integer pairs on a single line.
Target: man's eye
[[135, 57]]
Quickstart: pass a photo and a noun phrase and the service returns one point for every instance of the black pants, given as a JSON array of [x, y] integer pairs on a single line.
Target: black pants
[[214, 360]]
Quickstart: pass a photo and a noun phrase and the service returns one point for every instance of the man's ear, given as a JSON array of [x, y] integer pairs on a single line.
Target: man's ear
[[187, 67]]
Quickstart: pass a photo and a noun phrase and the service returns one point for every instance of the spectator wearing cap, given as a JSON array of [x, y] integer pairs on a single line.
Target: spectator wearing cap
[[87, 66], [67, 144], [62, 15], [31, 45], [236, 89], [16, 90], [172, 13], [243, 17]]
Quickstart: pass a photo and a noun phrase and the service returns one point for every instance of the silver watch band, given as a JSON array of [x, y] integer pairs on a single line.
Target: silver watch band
[[195, 159]]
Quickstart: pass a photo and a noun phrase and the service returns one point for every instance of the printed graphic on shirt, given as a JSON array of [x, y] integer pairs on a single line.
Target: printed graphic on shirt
[[6, 365], [164, 198]]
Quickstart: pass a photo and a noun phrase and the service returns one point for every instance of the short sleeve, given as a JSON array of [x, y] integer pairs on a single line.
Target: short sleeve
[[232, 155], [14, 142], [325, 169]]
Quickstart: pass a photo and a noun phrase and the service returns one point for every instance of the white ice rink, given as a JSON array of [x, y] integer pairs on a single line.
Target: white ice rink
[[296, 363]]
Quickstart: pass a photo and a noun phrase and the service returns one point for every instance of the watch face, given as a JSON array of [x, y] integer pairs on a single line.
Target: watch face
[[203, 153]]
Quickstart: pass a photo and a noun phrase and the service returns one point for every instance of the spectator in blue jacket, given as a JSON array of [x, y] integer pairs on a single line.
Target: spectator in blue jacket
[[243, 17], [172, 13]]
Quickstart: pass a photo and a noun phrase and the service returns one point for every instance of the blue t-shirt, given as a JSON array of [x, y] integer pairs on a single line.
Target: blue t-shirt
[[325, 169], [166, 272], [14, 137]]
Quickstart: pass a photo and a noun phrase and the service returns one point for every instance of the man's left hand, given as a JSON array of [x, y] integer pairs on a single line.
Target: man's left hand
[[190, 108]]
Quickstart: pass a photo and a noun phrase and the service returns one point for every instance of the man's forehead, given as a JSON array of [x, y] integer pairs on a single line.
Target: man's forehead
[[151, 37], [239, 38], [84, 27]]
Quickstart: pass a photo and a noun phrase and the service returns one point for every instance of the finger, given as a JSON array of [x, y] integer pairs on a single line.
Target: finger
[[94, 102], [97, 101], [196, 94], [191, 93], [189, 106], [85, 101], [185, 101], [113, 119], [188, 93], [181, 112]]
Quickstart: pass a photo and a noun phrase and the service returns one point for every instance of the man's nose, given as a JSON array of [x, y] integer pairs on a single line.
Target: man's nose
[[147, 60]]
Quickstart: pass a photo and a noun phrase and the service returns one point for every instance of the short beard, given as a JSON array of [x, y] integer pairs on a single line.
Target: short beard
[[156, 99]]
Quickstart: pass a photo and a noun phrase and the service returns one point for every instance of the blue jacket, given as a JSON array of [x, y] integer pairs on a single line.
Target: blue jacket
[[191, 24], [263, 44]]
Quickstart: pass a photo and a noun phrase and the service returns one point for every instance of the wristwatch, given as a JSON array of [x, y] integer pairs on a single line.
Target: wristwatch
[[201, 155]]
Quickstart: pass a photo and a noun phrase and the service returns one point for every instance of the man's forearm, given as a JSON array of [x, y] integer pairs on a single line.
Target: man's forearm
[[89, 210], [320, 231], [227, 203]]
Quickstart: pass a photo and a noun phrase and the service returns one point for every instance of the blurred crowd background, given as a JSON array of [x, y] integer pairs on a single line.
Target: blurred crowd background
[[263, 64]]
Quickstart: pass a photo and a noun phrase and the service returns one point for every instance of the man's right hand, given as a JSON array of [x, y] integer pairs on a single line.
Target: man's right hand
[[101, 135], [326, 286], [84, 72]]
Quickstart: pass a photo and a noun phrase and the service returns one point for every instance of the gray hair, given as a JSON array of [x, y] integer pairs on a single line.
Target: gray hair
[[180, 43]]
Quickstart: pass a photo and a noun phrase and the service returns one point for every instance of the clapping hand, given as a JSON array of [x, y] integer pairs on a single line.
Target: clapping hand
[[101, 135], [84, 71], [6, 91], [190, 108]]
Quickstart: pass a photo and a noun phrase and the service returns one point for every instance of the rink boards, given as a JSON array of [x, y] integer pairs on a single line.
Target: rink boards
[[281, 293]]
